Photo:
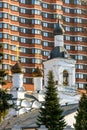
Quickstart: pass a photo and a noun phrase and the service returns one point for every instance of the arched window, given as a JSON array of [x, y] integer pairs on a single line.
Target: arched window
[[65, 78]]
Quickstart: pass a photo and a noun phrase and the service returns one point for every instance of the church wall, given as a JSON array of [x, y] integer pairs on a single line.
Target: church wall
[[58, 65], [17, 80]]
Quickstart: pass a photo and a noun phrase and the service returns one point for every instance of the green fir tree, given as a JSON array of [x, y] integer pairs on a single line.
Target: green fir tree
[[51, 113], [2, 71], [81, 116], [4, 103], [4, 96]]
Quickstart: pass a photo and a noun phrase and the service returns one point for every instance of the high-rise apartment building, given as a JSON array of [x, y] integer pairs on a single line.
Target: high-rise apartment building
[[27, 33]]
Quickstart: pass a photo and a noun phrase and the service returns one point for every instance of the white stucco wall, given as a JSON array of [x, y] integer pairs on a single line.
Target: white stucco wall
[[18, 94], [58, 65], [58, 40], [38, 83], [17, 80]]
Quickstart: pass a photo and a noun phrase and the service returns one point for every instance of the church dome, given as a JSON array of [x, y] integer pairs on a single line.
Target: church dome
[[59, 29], [59, 52], [17, 68]]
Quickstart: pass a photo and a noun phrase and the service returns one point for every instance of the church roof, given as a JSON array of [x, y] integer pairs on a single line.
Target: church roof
[[17, 68], [59, 52], [59, 29]]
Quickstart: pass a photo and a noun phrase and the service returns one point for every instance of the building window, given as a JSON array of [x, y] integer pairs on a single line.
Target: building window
[[37, 61], [1, 15], [23, 40], [5, 15], [5, 66], [67, 38], [13, 58], [45, 15], [78, 2], [79, 76], [5, 5], [36, 21], [67, 19], [22, 20], [1, 5], [78, 29], [36, 31], [67, 1], [6, 56], [58, 16], [13, 48], [45, 34], [6, 77], [79, 57], [14, 38], [37, 2], [78, 20], [80, 85], [24, 80], [45, 5], [15, 8], [45, 43], [5, 46], [23, 50], [23, 10], [1, 25], [35, 11], [15, 18], [22, 1], [36, 41], [23, 60], [45, 53], [65, 78], [14, 28], [5, 25], [56, 6], [67, 47], [78, 38], [36, 51], [78, 11], [79, 66], [1, 35], [67, 10], [67, 28], [79, 48], [23, 30], [45, 24]]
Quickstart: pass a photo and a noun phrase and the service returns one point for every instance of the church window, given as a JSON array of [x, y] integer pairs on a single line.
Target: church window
[[56, 82], [65, 78]]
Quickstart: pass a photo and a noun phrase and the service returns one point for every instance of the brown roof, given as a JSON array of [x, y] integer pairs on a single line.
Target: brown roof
[[17, 68]]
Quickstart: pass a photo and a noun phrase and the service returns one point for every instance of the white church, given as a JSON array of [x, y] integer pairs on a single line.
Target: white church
[[63, 67], [60, 63]]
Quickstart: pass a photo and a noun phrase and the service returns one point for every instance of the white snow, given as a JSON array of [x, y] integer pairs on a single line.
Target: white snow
[[70, 120]]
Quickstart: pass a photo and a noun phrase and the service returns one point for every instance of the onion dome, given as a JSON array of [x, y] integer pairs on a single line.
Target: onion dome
[[59, 29], [59, 52], [37, 72], [17, 68]]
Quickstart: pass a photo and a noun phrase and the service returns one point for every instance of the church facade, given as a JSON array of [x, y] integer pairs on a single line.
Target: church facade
[[60, 62]]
